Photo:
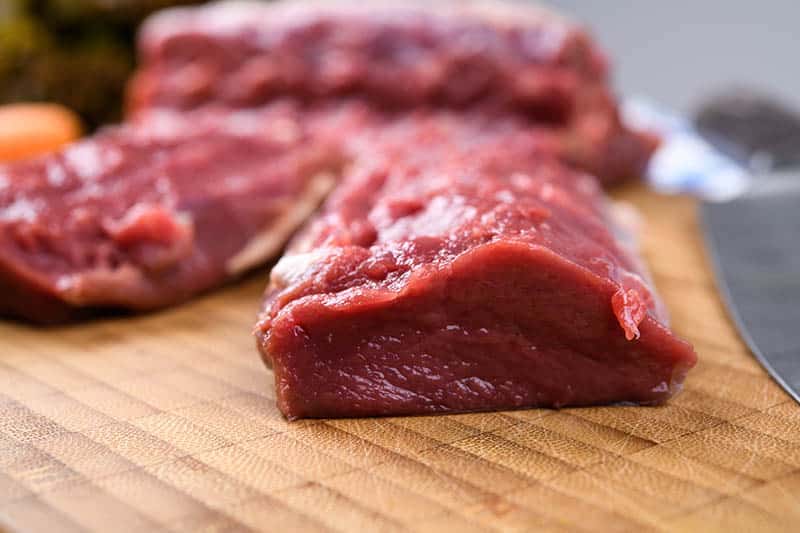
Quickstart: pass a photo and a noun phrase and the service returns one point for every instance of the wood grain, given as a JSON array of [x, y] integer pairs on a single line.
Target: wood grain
[[167, 422]]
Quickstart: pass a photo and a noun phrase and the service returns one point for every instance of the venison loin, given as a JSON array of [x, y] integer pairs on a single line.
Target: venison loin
[[497, 56], [146, 215], [473, 274]]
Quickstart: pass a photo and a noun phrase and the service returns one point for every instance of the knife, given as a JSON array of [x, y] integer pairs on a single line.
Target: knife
[[741, 154], [754, 238]]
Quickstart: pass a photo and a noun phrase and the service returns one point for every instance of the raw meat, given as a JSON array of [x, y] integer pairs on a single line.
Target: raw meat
[[149, 214], [475, 274], [496, 56], [143, 216]]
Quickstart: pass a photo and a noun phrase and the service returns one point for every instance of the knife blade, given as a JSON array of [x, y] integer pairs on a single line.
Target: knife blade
[[754, 239]]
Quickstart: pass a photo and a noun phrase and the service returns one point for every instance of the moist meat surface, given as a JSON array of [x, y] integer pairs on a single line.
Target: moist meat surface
[[474, 274], [501, 58], [403, 56], [146, 215]]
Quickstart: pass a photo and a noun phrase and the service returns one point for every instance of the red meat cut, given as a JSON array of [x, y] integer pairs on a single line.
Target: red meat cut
[[500, 57], [472, 275], [143, 216]]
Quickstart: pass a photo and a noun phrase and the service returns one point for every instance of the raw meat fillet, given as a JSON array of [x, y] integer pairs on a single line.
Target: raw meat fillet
[[496, 56], [146, 215], [474, 274]]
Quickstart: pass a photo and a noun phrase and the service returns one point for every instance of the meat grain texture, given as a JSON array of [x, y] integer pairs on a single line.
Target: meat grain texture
[[467, 258], [474, 274], [146, 215]]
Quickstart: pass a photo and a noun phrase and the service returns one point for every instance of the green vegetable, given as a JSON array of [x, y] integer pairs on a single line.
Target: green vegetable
[[76, 52]]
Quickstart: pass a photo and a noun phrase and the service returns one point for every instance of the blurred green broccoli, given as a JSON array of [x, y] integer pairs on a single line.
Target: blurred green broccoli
[[76, 52], [122, 12]]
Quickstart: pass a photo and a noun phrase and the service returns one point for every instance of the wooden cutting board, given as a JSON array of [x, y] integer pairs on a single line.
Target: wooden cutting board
[[167, 422]]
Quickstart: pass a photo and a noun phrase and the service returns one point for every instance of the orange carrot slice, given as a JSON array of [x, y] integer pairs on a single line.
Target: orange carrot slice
[[32, 129]]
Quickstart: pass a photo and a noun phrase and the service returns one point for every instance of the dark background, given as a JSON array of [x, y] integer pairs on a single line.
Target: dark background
[[675, 52]]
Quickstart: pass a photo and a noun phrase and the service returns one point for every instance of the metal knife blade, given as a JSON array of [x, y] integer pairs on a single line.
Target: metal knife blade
[[754, 240]]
